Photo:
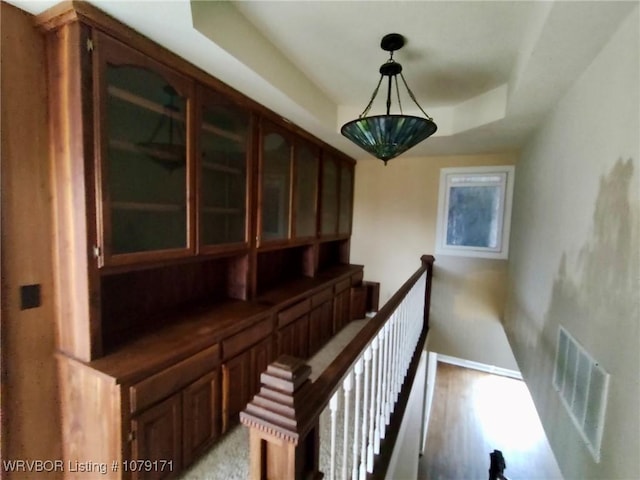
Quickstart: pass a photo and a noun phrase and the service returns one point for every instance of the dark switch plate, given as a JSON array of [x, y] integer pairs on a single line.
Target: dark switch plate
[[30, 296]]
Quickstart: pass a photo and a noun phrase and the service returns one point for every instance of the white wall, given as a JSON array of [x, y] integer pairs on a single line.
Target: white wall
[[395, 214], [575, 257]]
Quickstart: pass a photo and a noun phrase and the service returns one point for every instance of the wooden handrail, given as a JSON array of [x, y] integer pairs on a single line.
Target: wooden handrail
[[324, 386], [284, 417]]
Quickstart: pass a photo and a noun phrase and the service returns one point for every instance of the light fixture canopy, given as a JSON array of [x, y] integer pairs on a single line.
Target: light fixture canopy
[[387, 136]]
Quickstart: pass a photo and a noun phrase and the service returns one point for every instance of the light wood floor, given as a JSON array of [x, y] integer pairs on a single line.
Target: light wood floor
[[474, 413]]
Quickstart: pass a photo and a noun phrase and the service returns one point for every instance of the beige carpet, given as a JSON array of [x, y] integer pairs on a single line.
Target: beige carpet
[[229, 458]]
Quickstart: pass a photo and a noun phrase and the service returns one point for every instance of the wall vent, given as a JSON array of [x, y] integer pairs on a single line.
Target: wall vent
[[583, 386]]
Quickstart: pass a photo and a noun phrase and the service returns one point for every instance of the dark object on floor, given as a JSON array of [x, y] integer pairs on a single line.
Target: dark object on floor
[[498, 465]]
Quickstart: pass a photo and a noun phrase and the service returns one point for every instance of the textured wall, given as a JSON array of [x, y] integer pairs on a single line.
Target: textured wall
[[29, 387], [575, 253], [395, 215]]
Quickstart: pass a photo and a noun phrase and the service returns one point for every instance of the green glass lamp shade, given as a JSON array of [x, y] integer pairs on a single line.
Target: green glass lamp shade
[[387, 136]]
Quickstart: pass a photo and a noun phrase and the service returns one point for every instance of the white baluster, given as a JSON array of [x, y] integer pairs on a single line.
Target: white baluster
[[333, 407], [405, 341], [346, 386], [392, 354], [356, 424], [395, 354], [385, 380], [365, 414], [378, 433], [372, 403]]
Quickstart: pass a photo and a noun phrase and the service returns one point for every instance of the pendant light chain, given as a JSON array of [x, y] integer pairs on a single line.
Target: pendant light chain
[[398, 94], [375, 92], [413, 97]]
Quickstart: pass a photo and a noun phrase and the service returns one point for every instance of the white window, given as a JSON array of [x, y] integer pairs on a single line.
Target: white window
[[474, 211]]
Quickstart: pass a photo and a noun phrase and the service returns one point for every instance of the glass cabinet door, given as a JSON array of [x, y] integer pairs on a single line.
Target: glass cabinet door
[[145, 168], [276, 185], [223, 148], [329, 219], [346, 198], [306, 190]]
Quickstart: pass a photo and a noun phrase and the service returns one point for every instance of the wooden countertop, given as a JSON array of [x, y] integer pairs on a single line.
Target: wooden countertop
[[298, 289], [196, 330], [205, 325]]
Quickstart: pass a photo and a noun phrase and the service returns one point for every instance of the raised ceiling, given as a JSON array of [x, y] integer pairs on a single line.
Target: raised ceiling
[[487, 72]]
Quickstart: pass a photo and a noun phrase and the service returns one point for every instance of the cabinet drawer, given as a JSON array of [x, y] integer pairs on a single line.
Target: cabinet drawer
[[246, 338], [172, 379], [356, 278], [343, 285], [290, 314], [322, 297]]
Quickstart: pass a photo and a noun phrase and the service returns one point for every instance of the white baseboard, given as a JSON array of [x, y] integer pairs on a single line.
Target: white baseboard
[[483, 367]]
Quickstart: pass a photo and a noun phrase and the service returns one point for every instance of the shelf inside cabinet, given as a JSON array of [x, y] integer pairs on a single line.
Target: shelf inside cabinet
[[142, 102], [222, 210], [333, 253], [218, 167], [126, 146], [147, 207], [207, 127], [276, 267], [136, 303]]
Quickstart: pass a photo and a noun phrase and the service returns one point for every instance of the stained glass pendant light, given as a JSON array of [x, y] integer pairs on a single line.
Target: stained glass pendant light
[[387, 136], [167, 144]]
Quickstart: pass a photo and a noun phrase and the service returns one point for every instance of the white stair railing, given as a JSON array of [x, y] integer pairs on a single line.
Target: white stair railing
[[378, 374], [352, 411]]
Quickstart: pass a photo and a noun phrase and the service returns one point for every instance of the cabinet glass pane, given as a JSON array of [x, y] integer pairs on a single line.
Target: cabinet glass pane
[[329, 224], [223, 150], [276, 184], [146, 161], [305, 192], [346, 186]]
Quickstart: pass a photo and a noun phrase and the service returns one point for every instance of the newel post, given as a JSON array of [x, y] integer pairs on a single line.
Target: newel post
[[284, 444], [427, 262]]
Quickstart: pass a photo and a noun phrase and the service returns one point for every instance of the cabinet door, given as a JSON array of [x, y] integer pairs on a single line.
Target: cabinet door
[[223, 147], [145, 166], [346, 198], [293, 339], [301, 349], [329, 197], [201, 412], [286, 340], [320, 326], [157, 436], [341, 309], [305, 190], [236, 387], [262, 356], [275, 184]]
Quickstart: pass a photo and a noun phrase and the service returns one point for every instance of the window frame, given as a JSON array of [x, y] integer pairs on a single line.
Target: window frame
[[449, 177]]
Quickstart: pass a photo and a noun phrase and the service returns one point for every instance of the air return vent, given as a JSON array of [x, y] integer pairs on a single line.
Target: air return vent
[[582, 384]]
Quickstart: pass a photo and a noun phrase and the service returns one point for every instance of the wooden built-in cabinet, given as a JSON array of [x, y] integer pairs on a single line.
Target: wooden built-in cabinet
[[293, 330], [289, 172], [198, 235], [320, 320], [144, 117], [336, 197], [246, 355], [223, 163]]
